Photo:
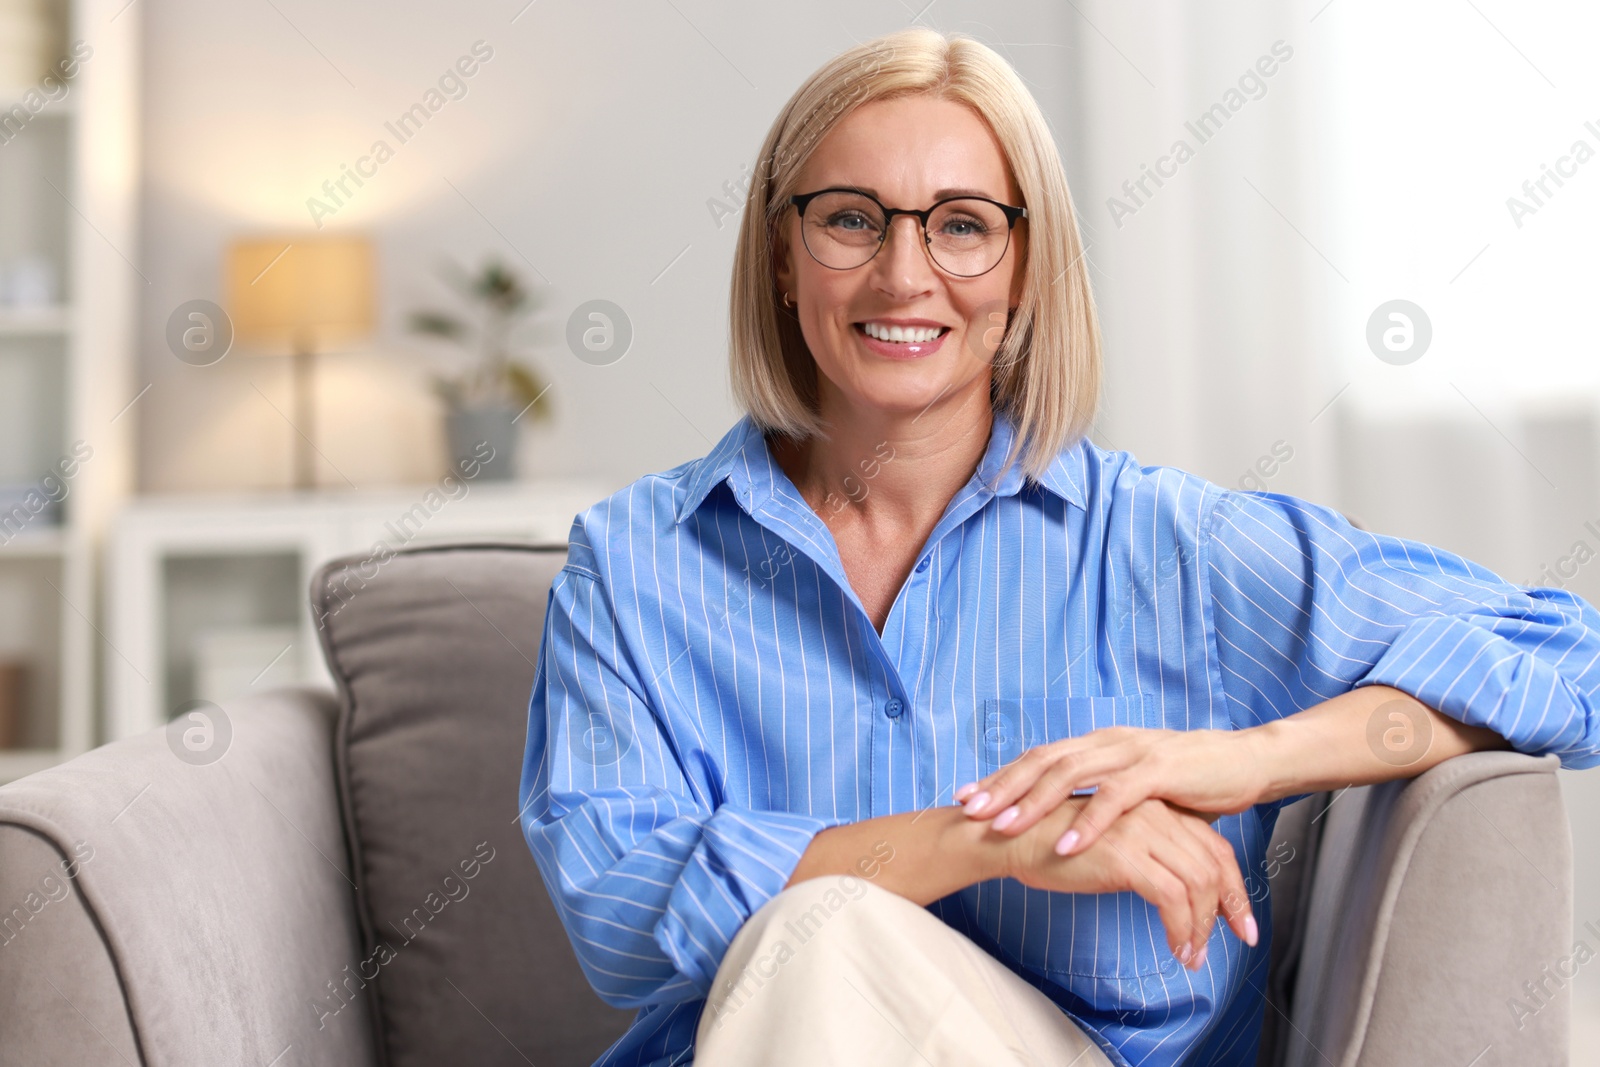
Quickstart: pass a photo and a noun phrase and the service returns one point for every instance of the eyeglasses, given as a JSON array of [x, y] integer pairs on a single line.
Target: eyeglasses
[[966, 235]]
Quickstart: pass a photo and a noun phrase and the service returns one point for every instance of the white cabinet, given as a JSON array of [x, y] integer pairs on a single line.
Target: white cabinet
[[208, 595]]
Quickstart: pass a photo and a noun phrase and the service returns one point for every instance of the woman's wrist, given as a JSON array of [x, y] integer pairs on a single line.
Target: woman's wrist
[[931, 853], [981, 853], [1372, 733], [1321, 747], [1273, 750]]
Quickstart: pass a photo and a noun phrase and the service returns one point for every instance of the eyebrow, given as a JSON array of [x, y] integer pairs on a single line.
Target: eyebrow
[[942, 194]]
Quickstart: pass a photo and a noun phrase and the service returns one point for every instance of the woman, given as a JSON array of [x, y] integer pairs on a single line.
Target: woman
[[906, 579]]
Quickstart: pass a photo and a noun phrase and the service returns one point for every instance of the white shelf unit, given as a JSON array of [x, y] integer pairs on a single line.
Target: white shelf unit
[[68, 196], [183, 566]]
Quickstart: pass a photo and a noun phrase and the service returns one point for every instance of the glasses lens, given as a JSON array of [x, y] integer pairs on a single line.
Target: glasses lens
[[968, 237], [844, 230]]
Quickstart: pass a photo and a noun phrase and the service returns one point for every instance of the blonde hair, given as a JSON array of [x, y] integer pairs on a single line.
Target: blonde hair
[[1046, 375]]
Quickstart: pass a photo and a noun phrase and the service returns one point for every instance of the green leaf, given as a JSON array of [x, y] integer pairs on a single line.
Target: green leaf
[[528, 388], [499, 287], [438, 324]]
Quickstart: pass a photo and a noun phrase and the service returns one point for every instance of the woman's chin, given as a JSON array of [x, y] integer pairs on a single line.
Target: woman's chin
[[906, 400]]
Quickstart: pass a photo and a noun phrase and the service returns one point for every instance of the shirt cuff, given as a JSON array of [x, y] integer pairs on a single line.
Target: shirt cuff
[[744, 859], [1465, 670]]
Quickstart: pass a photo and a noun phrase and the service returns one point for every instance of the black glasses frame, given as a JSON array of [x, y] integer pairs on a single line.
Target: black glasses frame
[[1012, 214]]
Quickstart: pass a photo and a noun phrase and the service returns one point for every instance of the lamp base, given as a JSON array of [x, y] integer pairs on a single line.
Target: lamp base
[[304, 423]]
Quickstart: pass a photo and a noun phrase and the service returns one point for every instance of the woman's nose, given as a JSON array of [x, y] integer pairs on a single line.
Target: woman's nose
[[903, 265]]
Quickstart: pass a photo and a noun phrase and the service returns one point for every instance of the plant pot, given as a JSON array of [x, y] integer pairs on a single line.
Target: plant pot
[[476, 433]]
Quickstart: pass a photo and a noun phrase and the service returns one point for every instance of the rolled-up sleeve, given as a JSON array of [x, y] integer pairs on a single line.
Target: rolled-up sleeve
[[651, 872], [1306, 606]]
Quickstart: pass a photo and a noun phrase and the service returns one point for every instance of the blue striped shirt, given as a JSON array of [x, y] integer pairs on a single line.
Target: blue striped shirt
[[710, 693]]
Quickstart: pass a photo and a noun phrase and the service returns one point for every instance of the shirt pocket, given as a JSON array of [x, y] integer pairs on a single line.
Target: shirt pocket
[[1070, 937]]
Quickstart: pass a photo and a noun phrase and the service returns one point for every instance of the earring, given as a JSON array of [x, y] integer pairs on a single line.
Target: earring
[[786, 301]]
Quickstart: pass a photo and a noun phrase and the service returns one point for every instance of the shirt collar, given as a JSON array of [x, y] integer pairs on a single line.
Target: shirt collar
[[743, 460]]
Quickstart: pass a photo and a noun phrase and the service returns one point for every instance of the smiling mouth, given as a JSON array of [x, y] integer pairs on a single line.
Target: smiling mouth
[[903, 335]]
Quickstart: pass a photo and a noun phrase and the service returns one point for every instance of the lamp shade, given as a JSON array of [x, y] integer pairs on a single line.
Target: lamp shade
[[300, 293]]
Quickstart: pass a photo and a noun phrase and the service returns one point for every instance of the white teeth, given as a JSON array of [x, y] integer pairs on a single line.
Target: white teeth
[[915, 334]]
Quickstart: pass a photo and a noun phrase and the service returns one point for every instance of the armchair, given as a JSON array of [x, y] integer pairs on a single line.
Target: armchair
[[348, 884]]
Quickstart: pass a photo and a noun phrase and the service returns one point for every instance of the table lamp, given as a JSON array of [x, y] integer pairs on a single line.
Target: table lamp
[[299, 295]]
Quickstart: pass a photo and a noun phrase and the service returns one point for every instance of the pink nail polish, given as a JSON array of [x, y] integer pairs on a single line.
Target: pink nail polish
[[1250, 931], [1007, 817], [1200, 960], [1068, 842], [964, 792], [976, 802], [1183, 954]]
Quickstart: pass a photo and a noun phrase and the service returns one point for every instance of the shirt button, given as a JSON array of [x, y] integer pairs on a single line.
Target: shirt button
[[892, 707], [923, 565]]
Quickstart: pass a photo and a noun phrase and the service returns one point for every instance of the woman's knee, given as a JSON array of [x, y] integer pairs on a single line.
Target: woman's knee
[[821, 930], [852, 909], [812, 923]]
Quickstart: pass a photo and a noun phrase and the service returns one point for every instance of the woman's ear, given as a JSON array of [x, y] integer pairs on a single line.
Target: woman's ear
[[782, 268]]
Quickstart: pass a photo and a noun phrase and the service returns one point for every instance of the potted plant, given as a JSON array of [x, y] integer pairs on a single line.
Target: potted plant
[[485, 402]]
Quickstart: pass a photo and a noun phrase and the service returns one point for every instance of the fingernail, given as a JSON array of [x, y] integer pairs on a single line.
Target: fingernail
[[1183, 954], [1200, 960], [1007, 817], [1068, 842], [965, 791], [976, 801], [1250, 931]]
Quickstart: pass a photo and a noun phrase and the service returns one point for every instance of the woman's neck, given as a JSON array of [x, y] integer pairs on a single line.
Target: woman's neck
[[887, 471]]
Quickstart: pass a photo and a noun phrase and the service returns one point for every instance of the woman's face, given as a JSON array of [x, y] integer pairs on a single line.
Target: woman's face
[[906, 151]]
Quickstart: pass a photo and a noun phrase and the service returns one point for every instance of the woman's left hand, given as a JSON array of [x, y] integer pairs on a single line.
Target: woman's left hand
[[1208, 772]]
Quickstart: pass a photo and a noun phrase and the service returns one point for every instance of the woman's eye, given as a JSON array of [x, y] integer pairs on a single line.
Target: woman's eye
[[974, 228], [850, 222]]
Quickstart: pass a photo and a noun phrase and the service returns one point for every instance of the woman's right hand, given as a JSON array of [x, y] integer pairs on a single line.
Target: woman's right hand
[[1170, 857]]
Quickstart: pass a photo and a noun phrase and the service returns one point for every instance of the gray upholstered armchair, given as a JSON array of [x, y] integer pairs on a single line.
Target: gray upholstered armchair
[[348, 884]]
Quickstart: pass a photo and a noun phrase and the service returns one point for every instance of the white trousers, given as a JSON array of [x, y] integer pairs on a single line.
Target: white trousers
[[838, 971]]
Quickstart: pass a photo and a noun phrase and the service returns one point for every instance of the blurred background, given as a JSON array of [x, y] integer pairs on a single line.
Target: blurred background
[[282, 280]]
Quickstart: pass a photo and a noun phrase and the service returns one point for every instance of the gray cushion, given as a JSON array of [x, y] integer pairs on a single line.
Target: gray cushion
[[433, 652]]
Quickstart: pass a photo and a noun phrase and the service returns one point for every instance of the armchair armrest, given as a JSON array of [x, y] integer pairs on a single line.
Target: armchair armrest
[[1434, 900], [162, 910]]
